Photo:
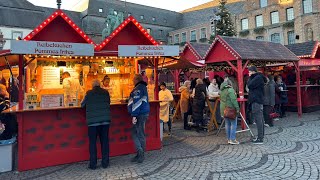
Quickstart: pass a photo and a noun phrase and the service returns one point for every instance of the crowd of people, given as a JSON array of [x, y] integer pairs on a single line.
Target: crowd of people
[[266, 95]]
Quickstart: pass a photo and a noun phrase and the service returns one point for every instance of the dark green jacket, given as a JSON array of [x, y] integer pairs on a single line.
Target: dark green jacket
[[228, 98], [97, 104]]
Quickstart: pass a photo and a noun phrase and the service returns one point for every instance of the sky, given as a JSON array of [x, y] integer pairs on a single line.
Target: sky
[[173, 5]]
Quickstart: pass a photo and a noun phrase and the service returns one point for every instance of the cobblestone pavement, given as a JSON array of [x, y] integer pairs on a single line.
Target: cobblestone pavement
[[290, 151]]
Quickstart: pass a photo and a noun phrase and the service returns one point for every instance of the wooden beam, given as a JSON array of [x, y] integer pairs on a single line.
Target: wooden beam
[[232, 66], [245, 65]]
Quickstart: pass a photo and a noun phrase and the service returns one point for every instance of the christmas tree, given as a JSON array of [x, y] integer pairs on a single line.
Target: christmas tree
[[225, 25]]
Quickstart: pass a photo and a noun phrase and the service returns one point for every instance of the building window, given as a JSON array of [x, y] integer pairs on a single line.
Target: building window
[[263, 3], [193, 35], [154, 19], [274, 17], [203, 33], [291, 37], [307, 6], [149, 31], [259, 21], [170, 39], [142, 17], [212, 30], [244, 24], [161, 33], [290, 14], [176, 39], [275, 38], [260, 38], [100, 10], [184, 37], [16, 35]]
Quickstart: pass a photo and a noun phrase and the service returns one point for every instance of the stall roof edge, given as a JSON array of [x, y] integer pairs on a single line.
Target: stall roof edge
[[255, 50]]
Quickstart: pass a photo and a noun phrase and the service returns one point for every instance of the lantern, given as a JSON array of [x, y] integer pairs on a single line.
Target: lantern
[[6, 76], [15, 71]]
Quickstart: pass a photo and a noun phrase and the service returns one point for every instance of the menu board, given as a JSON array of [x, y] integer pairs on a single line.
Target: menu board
[[51, 76], [52, 101]]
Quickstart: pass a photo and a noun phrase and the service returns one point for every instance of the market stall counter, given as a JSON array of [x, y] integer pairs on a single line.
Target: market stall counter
[[55, 136], [309, 95]]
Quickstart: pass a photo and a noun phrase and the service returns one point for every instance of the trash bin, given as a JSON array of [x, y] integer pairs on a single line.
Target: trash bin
[[6, 154], [161, 129]]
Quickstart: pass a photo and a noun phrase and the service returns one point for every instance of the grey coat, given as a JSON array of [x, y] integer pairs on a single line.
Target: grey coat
[[269, 93]]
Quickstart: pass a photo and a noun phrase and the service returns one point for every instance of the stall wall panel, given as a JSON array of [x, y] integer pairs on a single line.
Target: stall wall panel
[[54, 137]]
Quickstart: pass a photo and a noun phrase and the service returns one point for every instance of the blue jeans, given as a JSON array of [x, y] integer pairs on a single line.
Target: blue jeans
[[231, 128], [138, 134]]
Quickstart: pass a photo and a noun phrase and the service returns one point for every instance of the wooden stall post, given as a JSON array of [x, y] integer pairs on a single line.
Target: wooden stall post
[[241, 91], [156, 79], [21, 82], [299, 104]]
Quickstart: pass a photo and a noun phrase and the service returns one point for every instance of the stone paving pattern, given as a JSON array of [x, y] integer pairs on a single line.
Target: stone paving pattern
[[290, 151]]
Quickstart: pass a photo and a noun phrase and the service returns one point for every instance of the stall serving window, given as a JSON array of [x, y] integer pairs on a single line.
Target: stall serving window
[[63, 81]]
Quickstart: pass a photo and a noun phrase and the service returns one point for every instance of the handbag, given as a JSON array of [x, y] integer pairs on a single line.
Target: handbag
[[229, 112], [274, 114]]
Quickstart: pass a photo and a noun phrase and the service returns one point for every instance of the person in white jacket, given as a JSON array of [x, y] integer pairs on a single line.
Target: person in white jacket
[[214, 91], [165, 96]]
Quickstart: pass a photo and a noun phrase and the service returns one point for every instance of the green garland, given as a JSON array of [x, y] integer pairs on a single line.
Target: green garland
[[259, 30], [203, 40], [244, 33], [289, 24], [182, 43], [47, 63]]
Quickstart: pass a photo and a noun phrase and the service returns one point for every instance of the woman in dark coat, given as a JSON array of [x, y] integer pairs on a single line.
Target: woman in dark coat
[[268, 100], [198, 105], [281, 91]]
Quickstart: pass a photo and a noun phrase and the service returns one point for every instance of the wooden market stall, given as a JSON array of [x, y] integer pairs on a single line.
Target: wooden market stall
[[239, 53], [53, 132], [309, 54]]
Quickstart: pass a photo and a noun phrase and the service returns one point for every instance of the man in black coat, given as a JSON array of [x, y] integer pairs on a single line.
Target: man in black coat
[[256, 94], [97, 104]]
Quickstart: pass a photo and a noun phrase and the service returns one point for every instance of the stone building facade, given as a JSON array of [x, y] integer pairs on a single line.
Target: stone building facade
[[280, 21], [197, 24]]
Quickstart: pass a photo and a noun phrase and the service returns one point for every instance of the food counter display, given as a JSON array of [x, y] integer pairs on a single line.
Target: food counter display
[[55, 136], [309, 96], [52, 127]]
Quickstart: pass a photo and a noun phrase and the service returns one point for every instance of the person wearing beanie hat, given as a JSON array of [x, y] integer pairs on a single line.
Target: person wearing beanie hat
[[256, 94], [165, 96], [252, 69]]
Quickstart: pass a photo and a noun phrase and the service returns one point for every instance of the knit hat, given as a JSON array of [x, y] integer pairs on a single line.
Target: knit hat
[[163, 84], [253, 69]]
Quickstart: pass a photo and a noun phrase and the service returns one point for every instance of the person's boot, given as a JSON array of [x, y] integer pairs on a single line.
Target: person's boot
[[135, 159], [198, 129], [140, 157]]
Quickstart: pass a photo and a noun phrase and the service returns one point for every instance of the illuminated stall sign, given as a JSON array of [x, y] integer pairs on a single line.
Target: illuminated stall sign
[[51, 48], [146, 50]]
